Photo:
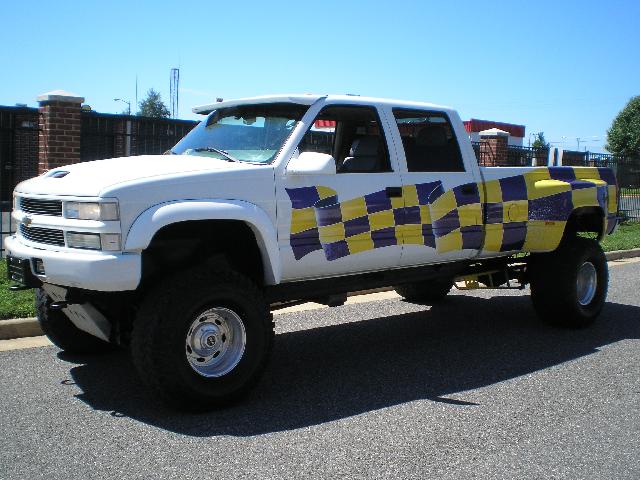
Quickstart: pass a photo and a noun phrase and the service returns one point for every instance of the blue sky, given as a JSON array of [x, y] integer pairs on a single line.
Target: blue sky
[[565, 68]]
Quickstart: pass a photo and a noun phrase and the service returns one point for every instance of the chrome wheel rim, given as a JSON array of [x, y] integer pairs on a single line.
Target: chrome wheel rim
[[215, 342], [586, 283]]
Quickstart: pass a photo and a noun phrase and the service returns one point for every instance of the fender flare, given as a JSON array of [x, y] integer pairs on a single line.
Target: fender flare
[[149, 222]]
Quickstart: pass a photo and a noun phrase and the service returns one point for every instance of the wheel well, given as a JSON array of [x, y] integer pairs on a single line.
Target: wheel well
[[180, 245], [585, 219]]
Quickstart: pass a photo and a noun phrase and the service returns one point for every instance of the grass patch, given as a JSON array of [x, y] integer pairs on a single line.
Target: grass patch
[[14, 304], [626, 237]]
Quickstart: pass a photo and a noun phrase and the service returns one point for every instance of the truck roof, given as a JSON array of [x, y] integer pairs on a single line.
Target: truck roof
[[309, 99]]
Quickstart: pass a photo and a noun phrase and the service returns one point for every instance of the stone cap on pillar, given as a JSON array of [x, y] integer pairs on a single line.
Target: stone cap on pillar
[[494, 132], [59, 96]]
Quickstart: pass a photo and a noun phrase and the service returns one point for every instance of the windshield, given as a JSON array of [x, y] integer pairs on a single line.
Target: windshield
[[246, 133]]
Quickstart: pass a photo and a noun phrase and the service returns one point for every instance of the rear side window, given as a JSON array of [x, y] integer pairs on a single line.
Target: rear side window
[[354, 137], [428, 141]]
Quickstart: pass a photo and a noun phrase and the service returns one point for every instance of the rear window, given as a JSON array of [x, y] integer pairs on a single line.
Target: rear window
[[429, 143]]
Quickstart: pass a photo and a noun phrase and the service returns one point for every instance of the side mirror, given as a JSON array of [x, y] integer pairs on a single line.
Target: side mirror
[[312, 163]]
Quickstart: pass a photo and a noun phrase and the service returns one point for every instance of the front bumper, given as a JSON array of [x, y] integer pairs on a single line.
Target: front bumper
[[104, 272]]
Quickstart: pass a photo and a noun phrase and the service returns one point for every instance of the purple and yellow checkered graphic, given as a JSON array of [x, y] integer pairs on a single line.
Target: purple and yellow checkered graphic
[[518, 213], [529, 212], [426, 215]]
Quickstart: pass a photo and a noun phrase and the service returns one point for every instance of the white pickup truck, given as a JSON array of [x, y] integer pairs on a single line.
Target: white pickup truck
[[275, 200]]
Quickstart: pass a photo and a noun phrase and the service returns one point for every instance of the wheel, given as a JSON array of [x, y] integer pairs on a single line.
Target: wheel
[[569, 286], [430, 291], [62, 332], [202, 339]]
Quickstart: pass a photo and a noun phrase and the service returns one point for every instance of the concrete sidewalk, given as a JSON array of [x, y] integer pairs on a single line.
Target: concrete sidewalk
[[29, 327]]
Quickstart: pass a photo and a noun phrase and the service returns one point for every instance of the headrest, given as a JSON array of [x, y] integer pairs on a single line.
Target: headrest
[[364, 146], [432, 136]]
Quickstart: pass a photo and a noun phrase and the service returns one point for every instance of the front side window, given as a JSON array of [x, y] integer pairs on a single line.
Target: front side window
[[352, 135], [429, 142], [246, 133]]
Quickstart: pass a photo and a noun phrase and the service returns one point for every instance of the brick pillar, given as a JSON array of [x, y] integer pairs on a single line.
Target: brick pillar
[[59, 122], [494, 144]]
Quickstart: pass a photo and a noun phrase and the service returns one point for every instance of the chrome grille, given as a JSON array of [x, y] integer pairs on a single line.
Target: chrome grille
[[49, 236], [41, 207]]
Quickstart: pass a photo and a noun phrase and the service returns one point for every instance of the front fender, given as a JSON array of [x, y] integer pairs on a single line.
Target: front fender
[[152, 220]]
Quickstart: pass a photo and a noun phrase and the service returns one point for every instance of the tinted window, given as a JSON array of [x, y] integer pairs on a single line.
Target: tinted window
[[352, 135], [429, 142]]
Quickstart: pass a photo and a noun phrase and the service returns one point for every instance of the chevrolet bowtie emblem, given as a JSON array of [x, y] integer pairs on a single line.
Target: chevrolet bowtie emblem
[[26, 220]]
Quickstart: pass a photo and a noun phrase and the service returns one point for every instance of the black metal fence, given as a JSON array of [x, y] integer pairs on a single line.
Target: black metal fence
[[108, 136], [627, 171], [489, 155], [18, 158]]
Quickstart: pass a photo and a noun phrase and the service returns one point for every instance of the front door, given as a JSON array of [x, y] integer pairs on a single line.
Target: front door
[[332, 224]]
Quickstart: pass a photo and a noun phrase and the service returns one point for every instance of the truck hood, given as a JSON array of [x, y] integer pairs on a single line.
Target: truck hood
[[91, 178]]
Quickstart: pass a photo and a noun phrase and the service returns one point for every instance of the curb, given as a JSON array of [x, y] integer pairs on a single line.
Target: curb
[[621, 254], [29, 327], [19, 327]]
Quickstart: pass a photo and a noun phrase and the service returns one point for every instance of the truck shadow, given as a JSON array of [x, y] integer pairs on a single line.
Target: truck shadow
[[333, 372]]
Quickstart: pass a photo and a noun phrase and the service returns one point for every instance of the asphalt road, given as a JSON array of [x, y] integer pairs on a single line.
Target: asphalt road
[[473, 388]]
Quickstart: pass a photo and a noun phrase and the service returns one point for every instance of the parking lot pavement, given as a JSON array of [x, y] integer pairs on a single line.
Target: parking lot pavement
[[474, 387]]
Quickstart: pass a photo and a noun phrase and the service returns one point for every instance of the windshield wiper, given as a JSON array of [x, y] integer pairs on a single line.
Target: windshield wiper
[[224, 153]]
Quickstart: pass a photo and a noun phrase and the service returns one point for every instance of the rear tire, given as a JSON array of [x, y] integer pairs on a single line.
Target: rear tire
[[569, 286], [62, 332], [429, 292], [202, 338]]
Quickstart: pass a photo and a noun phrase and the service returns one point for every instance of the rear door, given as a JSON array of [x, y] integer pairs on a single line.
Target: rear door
[[441, 188]]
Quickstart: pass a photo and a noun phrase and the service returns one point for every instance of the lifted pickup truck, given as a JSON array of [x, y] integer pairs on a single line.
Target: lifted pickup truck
[[275, 200]]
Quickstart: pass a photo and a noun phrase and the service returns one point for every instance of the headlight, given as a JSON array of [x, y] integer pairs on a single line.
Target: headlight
[[87, 241], [104, 211], [94, 241]]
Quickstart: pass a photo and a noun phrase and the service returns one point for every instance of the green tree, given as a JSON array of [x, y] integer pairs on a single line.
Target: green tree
[[540, 141], [623, 138], [153, 106]]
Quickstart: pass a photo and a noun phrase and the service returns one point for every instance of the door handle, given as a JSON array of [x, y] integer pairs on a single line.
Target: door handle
[[393, 191]]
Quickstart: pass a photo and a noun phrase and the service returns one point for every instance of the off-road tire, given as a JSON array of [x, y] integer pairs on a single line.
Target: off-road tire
[[554, 290], [428, 292], [164, 321], [62, 332]]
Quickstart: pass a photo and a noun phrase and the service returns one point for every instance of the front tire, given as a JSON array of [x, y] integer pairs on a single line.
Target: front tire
[[569, 286], [62, 332], [202, 339]]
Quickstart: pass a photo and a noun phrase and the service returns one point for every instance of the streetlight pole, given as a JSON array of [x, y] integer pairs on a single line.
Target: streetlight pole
[[124, 101], [594, 138]]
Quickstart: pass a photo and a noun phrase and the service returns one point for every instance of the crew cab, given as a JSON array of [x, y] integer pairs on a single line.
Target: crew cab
[[282, 199]]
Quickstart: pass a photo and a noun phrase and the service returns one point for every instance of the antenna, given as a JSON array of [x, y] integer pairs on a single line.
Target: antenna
[[173, 90]]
